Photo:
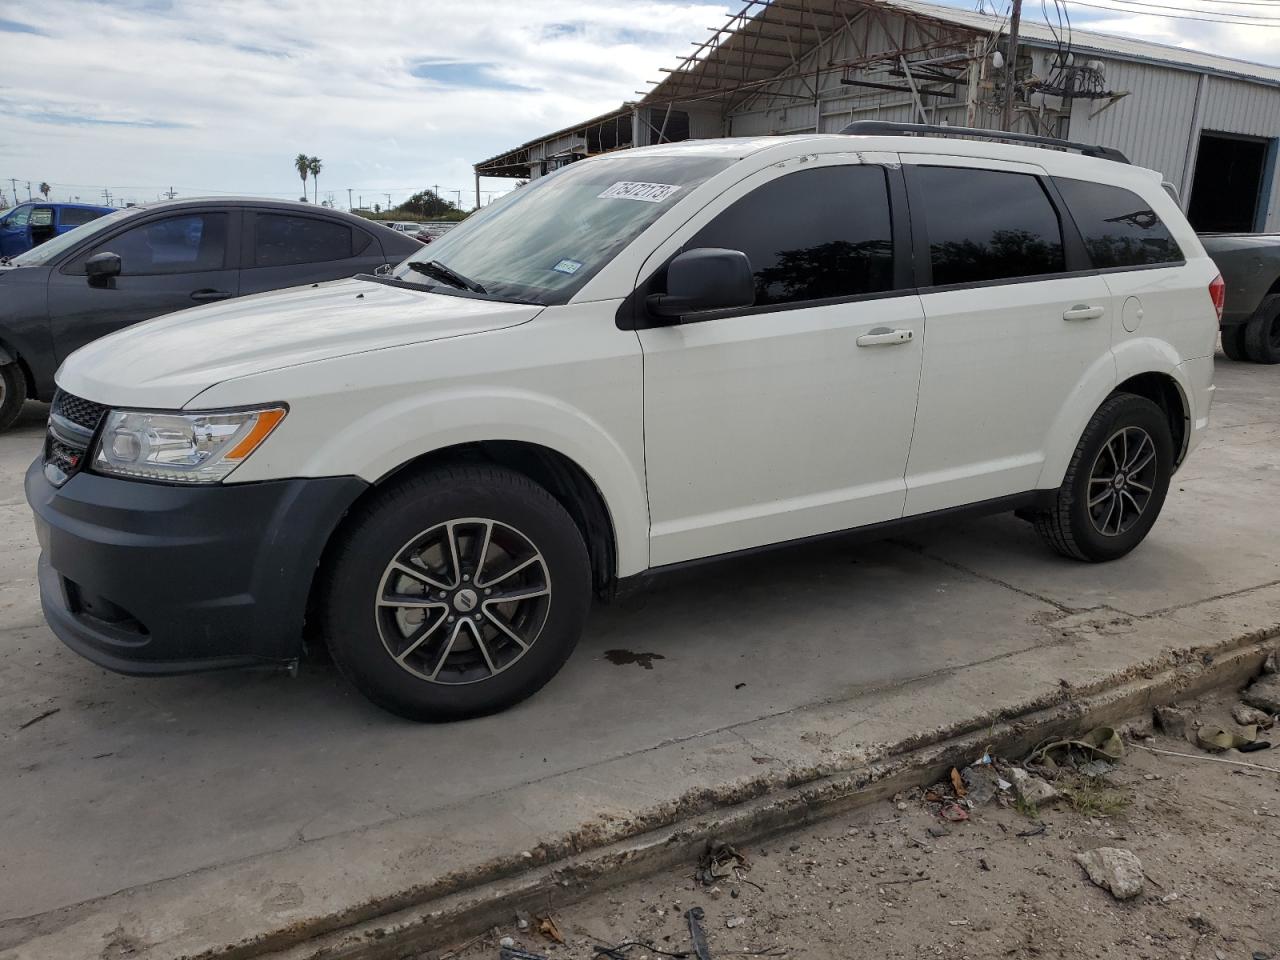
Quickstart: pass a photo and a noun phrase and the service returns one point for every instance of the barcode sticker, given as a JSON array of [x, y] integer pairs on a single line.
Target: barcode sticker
[[633, 190]]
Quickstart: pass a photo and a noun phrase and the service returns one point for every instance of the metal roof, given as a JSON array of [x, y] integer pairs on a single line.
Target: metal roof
[[769, 37]]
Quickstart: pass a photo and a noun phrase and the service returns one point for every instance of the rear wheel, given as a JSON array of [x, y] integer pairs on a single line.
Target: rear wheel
[[13, 391], [1116, 482], [1262, 332], [1233, 343], [457, 593]]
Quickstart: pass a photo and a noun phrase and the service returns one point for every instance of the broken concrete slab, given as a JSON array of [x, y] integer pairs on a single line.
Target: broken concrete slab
[[1114, 869], [1264, 694], [1173, 721]]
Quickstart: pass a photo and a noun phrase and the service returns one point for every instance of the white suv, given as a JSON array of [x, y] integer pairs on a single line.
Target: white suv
[[647, 358]]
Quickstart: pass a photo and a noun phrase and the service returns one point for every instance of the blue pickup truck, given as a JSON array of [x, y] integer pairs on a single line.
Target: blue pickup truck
[[31, 224]]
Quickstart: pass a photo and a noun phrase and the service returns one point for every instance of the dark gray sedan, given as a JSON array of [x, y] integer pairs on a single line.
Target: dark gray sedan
[[147, 261]]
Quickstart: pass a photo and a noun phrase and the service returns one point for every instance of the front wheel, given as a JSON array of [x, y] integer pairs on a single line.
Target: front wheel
[[1115, 484], [456, 593]]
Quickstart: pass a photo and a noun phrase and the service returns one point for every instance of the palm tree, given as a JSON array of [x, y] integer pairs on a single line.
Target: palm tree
[[45, 188], [313, 164], [302, 163]]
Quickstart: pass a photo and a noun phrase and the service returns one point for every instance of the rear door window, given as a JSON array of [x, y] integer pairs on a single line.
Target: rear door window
[[813, 235], [282, 240], [191, 243], [1119, 228], [988, 225]]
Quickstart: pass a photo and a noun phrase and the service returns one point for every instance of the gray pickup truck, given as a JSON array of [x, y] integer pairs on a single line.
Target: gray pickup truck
[[1250, 265]]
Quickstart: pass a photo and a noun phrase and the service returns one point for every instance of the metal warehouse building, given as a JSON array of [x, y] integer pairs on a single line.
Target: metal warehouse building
[[1209, 123]]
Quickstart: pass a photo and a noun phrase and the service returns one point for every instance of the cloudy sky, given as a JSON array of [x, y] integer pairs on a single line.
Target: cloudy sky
[[141, 95]]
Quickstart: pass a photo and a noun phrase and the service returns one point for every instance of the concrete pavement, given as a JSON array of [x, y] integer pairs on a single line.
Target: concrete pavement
[[295, 799]]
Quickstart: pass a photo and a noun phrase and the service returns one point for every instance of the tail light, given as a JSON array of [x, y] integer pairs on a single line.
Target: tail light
[[1218, 294]]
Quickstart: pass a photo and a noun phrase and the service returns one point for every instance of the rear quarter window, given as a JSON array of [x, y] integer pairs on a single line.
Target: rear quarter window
[[77, 216], [1119, 228]]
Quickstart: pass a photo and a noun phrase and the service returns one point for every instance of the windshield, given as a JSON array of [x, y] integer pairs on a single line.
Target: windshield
[[52, 248], [17, 217], [541, 243]]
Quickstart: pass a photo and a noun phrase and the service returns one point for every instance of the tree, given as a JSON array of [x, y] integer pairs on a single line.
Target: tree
[[427, 203], [313, 164], [302, 163], [44, 189], [377, 208]]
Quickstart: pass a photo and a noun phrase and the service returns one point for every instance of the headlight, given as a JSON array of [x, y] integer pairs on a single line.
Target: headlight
[[198, 447]]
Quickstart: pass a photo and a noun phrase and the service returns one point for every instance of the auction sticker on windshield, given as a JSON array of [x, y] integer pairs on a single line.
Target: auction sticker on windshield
[[634, 190]]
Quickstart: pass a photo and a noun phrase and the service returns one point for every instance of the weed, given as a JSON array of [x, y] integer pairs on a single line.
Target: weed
[[1091, 797]]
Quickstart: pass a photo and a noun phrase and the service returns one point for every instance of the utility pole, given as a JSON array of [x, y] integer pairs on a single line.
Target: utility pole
[[28, 191], [458, 194], [388, 196], [1011, 63], [106, 195], [348, 199], [14, 183], [171, 193]]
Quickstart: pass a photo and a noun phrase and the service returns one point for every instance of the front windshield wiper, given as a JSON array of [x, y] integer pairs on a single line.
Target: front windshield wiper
[[438, 271]]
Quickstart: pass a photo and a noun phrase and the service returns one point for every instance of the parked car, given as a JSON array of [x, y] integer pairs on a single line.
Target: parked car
[[643, 360], [30, 224], [1250, 265], [145, 261]]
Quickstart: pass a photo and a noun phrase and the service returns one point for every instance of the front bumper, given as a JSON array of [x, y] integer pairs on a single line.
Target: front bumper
[[147, 578]]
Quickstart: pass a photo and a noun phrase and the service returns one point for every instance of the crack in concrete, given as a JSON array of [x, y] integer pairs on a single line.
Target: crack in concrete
[[1195, 603], [922, 551]]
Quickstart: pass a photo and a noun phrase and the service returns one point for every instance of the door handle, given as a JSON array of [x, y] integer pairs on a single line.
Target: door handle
[[884, 337], [208, 295], [1082, 311]]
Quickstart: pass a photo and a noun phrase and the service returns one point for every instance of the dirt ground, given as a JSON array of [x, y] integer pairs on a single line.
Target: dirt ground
[[895, 880]]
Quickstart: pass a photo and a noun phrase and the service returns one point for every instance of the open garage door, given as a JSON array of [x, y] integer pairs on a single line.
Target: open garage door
[[1227, 191]]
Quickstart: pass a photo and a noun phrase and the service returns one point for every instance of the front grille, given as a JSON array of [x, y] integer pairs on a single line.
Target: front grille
[[72, 424], [84, 413]]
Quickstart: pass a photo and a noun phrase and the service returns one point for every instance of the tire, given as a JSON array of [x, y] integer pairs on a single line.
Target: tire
[[1071, 526], [425, 661], [1262, 332], [1233, 343], [13, 393]]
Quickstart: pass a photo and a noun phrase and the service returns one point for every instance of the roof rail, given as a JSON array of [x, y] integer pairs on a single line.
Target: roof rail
[[887, 128]]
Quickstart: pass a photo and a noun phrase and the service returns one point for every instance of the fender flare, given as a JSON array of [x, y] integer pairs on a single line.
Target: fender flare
[[436, 420], [1126, 360]]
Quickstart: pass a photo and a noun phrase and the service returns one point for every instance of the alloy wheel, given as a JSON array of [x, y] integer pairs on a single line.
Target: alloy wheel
[[1122, 481], [463, 601]]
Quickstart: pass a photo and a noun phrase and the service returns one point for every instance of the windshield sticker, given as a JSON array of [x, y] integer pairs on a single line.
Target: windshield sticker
[[568, 266], [632, 190]]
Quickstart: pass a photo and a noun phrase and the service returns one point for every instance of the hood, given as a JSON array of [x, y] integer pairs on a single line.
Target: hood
[[165, 362]]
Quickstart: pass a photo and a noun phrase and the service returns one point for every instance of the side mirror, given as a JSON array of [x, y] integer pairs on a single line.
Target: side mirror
[[707, 278], [102, 266]]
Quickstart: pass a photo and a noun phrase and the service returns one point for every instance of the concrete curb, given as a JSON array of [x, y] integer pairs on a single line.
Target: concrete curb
[[452, 918]]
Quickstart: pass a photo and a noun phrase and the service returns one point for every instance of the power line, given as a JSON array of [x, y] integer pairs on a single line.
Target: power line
[[1177, 13]]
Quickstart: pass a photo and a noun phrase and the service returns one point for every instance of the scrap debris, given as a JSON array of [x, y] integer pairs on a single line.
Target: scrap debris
[[547, 927], [721, 861], [697, 934]]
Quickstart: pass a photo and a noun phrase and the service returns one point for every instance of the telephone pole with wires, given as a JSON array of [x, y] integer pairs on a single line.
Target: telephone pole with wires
[[1011, 64]]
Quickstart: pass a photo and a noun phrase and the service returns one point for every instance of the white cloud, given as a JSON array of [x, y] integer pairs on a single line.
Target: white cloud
[[220, 97]]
